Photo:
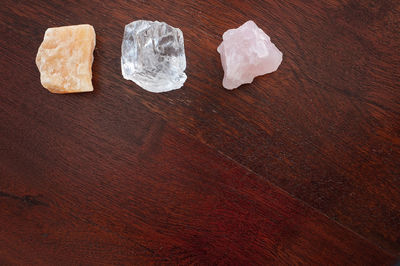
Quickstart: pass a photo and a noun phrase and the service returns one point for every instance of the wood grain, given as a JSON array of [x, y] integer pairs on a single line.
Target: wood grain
[[195, 175], [160, 197]]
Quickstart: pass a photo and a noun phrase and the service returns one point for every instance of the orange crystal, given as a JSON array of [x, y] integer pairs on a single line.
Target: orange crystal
[[65, 59]]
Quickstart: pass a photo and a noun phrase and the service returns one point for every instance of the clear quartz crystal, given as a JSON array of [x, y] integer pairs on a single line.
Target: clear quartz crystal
[[153, 56]]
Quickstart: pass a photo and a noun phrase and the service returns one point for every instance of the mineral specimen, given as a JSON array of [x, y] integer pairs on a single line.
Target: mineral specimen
[[153, 56], [65, 59], [247, 52]]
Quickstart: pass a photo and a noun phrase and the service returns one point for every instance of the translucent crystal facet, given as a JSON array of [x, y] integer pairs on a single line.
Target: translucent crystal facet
[[247, 52], [153, 56]]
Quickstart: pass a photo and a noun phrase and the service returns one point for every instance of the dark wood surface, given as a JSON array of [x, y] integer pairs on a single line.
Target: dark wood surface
[[300, 167]]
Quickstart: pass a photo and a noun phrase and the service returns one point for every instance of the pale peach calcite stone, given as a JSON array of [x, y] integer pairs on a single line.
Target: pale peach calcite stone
[[247, 52], [65, 59]]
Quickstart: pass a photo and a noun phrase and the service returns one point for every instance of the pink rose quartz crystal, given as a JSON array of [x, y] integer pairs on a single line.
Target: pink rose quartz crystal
[[247, 52]]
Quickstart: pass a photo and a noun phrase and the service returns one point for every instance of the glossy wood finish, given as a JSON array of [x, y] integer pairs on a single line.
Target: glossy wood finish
[[302, 166]]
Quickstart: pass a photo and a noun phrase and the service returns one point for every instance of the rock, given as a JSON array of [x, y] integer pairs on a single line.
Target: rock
[[247, 52], [65, 59], [153, 56]]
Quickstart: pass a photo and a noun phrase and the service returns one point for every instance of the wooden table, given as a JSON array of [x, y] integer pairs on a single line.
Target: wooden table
[[300, 167]]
